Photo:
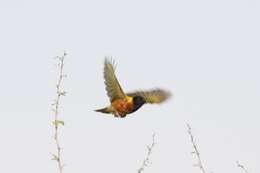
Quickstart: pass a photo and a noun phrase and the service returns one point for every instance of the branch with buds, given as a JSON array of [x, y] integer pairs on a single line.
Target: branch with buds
[[57, 122], [196, 151], [147, 161], [242, 167]]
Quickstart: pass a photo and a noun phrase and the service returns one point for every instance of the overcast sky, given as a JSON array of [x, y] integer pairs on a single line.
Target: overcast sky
[[205, 52]]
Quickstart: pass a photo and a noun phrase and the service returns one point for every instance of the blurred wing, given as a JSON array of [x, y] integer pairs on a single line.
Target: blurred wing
[[152, 96], [113, 88]]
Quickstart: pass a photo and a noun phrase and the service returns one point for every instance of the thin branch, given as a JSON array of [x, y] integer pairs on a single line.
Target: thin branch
[[242, 167], [146, 160], [57, 122], [196, 151]]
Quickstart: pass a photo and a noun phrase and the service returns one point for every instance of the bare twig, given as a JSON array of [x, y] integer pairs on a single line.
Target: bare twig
[[196, 151], [242, 167], [146, 160], [57, 122]]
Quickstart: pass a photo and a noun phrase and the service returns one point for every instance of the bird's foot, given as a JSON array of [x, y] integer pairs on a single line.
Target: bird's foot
[[116, 115]]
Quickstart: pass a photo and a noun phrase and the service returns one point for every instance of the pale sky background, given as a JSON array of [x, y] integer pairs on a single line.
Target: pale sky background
[[205, 52]]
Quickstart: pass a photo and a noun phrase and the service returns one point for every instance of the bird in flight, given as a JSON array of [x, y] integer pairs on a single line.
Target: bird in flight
[[122, 103]]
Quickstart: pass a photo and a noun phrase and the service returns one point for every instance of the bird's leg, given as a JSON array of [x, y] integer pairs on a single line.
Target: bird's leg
[[116, 114]]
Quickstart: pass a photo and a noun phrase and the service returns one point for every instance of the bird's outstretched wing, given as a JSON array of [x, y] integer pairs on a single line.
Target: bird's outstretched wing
[[152, 96], [113, 88]]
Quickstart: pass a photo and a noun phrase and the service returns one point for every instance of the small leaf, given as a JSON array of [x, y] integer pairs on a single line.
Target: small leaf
[[54, 157], [57, 122], [62, 93]]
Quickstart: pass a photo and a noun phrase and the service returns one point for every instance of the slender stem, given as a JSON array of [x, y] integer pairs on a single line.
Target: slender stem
[[56, 123], [146, 160], [196, 151], [242, 167]]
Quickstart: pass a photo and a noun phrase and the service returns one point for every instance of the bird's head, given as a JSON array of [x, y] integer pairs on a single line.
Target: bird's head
[[138, 101]]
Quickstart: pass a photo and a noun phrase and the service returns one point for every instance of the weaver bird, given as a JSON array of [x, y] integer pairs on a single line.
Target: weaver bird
[[125, 103]]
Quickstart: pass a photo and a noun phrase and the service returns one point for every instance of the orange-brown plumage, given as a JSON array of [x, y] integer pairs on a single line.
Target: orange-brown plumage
[[123, 104]]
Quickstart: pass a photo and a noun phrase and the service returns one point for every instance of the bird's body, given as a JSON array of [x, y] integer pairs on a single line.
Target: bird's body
[[123, 104], [122, 107]]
